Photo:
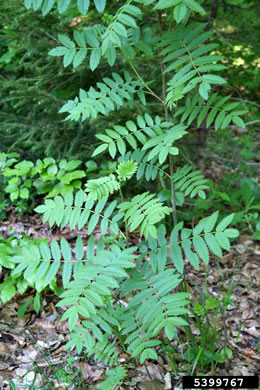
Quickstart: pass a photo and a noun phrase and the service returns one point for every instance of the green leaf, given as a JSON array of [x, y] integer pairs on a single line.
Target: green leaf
[[41, 271], [223, 240], [79, 57], [22, 309], [63, 5], [52, 272], [92, 223], [91, 39], [66, 41], [80, 198], [65, 249], [148, 353], [79, 248], [175, 250], [100, 5], [170, 331], [55, 250], [231, 233], [163, 155], [204, 90], [211, 116], [201, 248], [111, 55], [24, 165], [68, 57], [180, 12], [67, 178], [47, 6], [79, 38], [73, 317], [83, 6], [45, 251], [24, 193], [224, 223], [28, 3], [213, 244], [127, 20], [67, 271], [94, 59], [195, 6], [219, 119], [100, 149], [210, 222], [238, 121], [191, 256], [7, 293], [112, 149], [37, 303], [162, 4], [75, 217], [213, 79], [119, 29], [36, 4], [121, 146], [58, 51]]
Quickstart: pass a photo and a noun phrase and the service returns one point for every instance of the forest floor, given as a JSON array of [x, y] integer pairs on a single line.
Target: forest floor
[[32, 346]]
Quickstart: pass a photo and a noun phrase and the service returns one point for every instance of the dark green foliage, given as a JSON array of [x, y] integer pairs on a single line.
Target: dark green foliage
[[33, 86]]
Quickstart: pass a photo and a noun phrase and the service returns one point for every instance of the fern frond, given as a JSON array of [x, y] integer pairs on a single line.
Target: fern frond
[[62, 5], [96, 331], [116, 32], [183, 50], [180, 7], [154, 308], [157, 250], [40, 264], [144, 211], [89, 293], [203, 238], [162, 145], [115, 139], [160, 142], [111, 96], [189, 244], [140, 39], [114, 378], [103, 41], [217, 110], [104, 350], [75, 51], [125, 170], [191, 183], [102, 187], [150, 170], [79, 211]]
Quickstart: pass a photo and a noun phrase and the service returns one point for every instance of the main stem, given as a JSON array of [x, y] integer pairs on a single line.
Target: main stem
[[173, 197], [126, 226]]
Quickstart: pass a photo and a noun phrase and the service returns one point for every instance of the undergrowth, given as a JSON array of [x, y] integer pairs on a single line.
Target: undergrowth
[[115, 296]]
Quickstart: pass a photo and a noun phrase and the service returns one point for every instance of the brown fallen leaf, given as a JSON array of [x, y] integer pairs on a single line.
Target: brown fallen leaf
[[253, 331], [44, 324], [150, 385], [167, 381]]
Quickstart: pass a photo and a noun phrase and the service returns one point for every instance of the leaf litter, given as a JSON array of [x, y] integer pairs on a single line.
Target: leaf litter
[[32, 346]]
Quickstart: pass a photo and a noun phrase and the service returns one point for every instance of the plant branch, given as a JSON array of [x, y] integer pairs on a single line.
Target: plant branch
[[144, 83], [166, 113]]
